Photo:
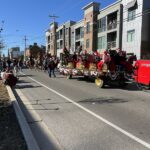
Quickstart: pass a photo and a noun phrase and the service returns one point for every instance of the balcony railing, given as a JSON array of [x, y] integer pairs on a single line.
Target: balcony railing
[[61, 46], [79, 36], [112, 25], [59, 37], [101, 29], [111, 44]]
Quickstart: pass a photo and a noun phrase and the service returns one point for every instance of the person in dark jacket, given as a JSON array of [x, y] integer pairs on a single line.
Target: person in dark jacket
[[51, 67], [8, 62], [4, 64]]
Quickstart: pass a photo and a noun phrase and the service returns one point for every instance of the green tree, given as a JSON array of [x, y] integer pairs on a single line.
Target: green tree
[[36, 51]]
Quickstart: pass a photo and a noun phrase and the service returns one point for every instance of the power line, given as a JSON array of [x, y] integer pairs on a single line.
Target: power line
[[1, 28], [146, 12], [118, 22]]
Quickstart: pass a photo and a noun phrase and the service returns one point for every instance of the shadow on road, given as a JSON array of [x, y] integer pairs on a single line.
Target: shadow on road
[[88, 80], [22, 75], [43, 109], [127, 87], [23, 81], [26, 86], [103, 100]]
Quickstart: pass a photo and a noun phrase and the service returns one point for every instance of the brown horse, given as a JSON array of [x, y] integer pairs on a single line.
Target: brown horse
[[30, 64]]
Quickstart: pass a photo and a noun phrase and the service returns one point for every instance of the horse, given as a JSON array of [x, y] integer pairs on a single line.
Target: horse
[[30, 64]]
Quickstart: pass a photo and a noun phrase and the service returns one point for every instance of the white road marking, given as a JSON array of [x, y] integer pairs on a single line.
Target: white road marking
[[96, 116]]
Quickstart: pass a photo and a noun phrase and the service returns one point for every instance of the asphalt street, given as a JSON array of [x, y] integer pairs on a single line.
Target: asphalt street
[[84, 117]]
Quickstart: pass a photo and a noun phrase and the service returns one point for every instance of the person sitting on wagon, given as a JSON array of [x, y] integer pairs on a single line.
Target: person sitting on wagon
[[106, 57], [105, 60], [120, 58]]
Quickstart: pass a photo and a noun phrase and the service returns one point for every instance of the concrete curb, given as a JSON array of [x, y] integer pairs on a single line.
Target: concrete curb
[[27, 133], [49, 140]]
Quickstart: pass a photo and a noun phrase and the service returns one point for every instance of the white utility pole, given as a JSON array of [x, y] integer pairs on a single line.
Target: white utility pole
[[1, 41], [25, 46]]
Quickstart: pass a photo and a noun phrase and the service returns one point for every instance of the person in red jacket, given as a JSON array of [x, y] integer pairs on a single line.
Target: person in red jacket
[[105, 59]]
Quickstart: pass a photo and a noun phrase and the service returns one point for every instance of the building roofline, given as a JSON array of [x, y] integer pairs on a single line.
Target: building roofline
[[54, 23], [63, 24], [110, 5], [89, 4], [80, 20], [69, 21]]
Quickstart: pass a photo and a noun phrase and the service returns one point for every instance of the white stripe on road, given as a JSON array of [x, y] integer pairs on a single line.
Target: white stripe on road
[[96, 116]]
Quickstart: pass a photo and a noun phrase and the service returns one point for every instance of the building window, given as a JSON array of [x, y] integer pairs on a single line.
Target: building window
[[102, 42], [57, 45], [48, 47], [88, 27], [82, 32], [131, 14], [48, 38], [130, 35], [51, 36], [87, 43], [102, 24], [57, 36]]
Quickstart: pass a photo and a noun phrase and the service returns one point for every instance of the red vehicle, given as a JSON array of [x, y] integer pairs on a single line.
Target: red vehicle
[[142, 72]]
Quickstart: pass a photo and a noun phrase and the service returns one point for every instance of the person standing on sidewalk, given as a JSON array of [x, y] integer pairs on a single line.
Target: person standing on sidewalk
[[4, 64], [51, 67], [8, 63], [15, 65], [1, 65], [20, 63]]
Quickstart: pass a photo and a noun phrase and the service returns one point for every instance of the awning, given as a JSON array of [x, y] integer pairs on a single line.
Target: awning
[[131, 4]]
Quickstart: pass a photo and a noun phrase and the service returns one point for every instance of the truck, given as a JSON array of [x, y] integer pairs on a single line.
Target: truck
[[142, 73]]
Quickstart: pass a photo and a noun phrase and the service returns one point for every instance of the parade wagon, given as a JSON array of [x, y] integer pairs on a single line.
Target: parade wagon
[[106, 69], [117, 71]]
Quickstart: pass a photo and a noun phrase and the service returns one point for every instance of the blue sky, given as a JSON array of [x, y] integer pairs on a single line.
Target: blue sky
[[30, 18]]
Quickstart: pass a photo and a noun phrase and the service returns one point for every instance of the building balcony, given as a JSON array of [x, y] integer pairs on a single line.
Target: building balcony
[[80, 36], [111, 44], [112, 25], [48, 41], [61, 47], [101, 30], [59, 37]]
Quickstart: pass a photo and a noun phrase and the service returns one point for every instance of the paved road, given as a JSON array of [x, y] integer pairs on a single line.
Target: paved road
[[84, 117]]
